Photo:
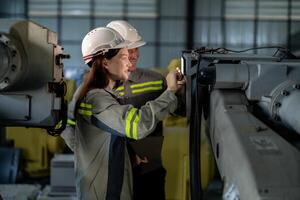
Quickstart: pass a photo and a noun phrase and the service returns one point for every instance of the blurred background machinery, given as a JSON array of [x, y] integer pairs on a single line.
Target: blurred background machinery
[[251, 103], [32, 90], [31, 77]]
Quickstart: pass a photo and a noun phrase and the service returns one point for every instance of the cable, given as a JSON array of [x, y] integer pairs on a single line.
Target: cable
[[266, 47], [60, 91], [225, 50], [195, 141], [61, 125]]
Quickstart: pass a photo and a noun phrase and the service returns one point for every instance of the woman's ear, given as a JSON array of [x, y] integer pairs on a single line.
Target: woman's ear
[[105, 63]]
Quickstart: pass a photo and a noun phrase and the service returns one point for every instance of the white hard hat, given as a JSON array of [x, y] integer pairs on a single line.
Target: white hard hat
[[99, 41], [128, 32]]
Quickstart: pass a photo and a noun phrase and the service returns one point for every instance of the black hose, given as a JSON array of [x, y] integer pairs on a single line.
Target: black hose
[[195, 140]]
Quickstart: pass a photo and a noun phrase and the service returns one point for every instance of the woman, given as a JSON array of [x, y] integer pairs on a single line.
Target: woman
[[103, 169]]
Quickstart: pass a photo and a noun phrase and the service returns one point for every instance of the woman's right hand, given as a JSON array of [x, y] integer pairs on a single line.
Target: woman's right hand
[[173, 81]]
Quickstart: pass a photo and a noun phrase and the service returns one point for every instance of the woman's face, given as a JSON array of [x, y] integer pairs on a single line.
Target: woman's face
[[118, 66]]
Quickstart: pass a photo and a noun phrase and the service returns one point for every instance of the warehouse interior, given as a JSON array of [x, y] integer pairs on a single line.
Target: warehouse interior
[[37, 163]]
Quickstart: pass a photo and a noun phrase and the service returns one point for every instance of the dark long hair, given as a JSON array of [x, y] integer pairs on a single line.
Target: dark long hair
[[97, 77]]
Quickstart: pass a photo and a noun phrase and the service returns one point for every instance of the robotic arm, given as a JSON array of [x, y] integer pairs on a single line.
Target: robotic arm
[[252, 105], [31, 77]]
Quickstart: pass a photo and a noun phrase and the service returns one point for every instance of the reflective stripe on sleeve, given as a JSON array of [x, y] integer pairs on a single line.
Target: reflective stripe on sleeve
[[85, 105], [147, 89], [85, 112], [159, 82], [85, 109], [71, 122], [128, 122], [131, 126], [147, 86], [120, 88], [135, 127]]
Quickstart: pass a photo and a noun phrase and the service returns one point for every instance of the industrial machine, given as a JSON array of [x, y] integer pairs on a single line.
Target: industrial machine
[[252, 104], [31, 77], [31, 95]]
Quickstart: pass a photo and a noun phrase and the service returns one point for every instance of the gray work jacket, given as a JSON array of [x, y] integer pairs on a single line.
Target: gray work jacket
[[102, 164], [143, 86]]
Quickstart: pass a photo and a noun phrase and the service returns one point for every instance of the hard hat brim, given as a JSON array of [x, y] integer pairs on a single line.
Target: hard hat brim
[[136, 44], [124, 44]]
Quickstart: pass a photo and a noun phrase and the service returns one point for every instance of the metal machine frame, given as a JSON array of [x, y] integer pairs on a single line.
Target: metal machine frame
[[245, 98]]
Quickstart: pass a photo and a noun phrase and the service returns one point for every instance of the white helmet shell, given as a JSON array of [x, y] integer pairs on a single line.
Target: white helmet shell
[[128, 32], [99, 41]]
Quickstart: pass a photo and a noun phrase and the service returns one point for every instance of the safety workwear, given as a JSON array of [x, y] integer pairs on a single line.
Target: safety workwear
[[128, 32], [103, 169], [141, 87], [99, 41]]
